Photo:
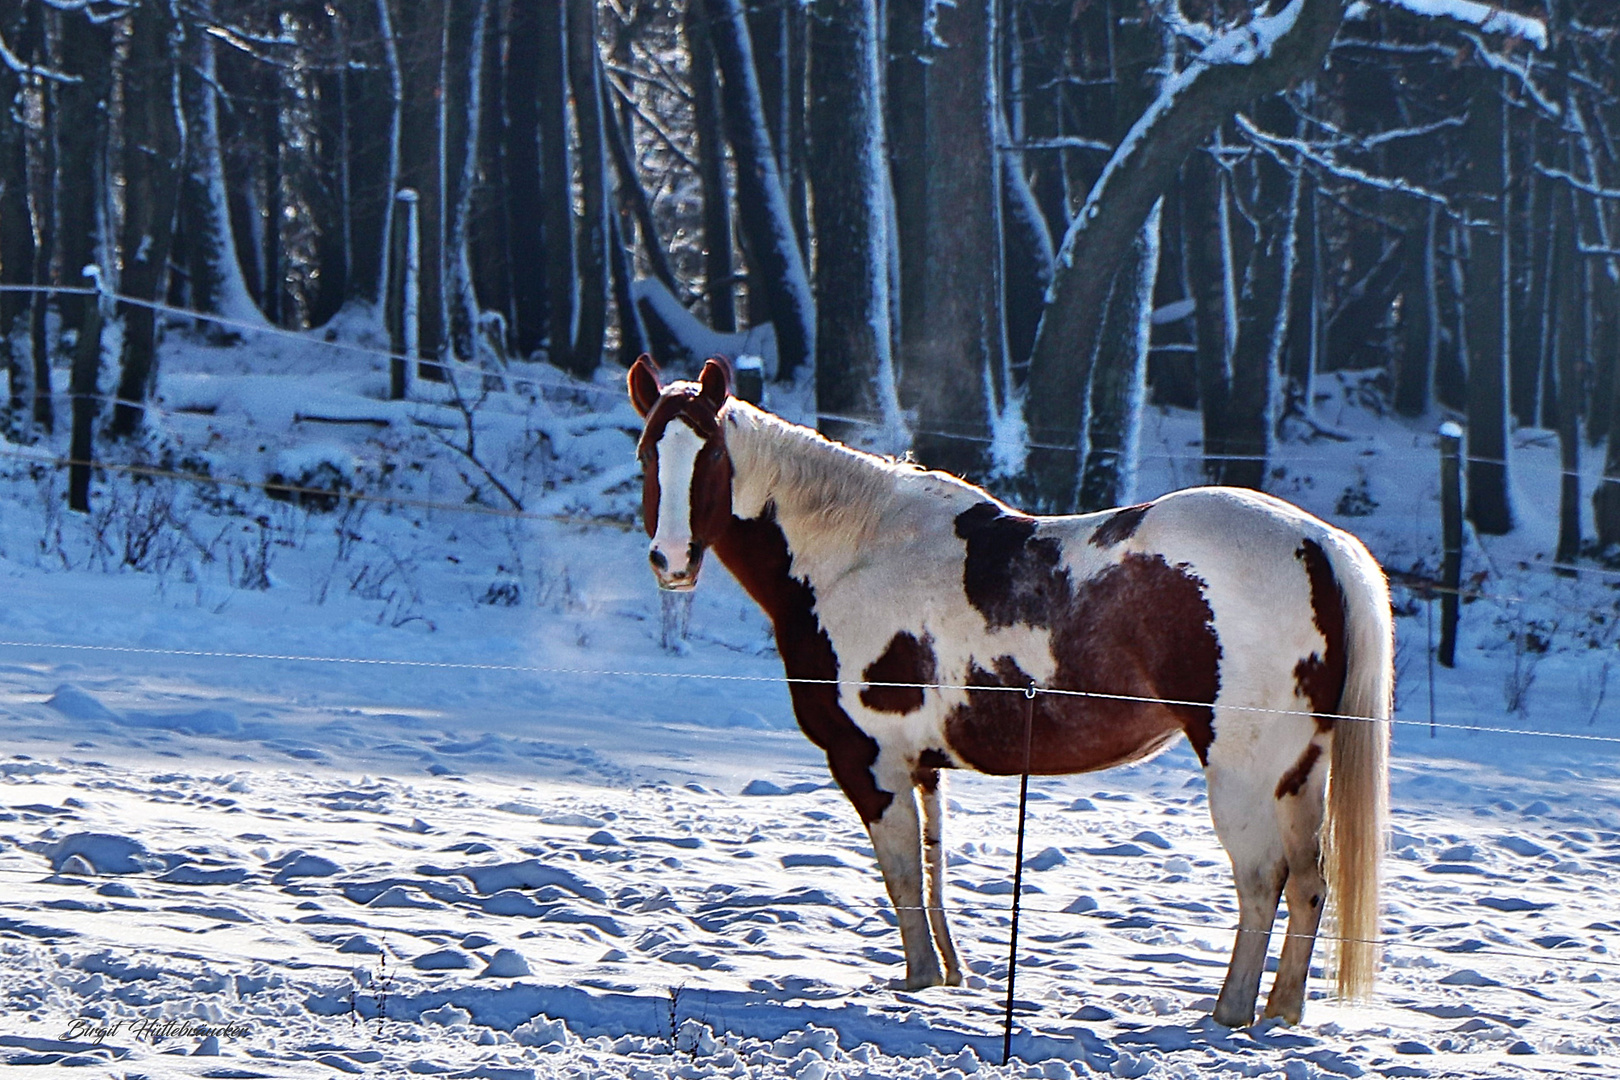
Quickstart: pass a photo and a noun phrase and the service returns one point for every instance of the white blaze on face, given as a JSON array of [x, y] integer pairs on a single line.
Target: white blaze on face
[[678, 450]]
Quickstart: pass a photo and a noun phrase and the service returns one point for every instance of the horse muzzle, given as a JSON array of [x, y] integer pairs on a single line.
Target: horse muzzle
[[676, 579]]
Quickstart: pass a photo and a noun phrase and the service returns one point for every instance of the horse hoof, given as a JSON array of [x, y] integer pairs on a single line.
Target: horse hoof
[[1232, 1018], [921, 981], [1291, 1017], [953, 978]]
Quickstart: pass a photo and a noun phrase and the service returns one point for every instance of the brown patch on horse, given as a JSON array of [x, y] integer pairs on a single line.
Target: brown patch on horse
[[1120, 526], [1009, 576], [1294, 779], [907, 660], [1319, 677], [756, 552], [1138, 629]]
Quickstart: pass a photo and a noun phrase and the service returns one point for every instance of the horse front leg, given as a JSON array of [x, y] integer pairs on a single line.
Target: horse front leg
[[934, 849], [897, 840]]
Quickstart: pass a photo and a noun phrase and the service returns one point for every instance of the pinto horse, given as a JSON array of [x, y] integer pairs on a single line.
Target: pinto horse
[[908, 603]]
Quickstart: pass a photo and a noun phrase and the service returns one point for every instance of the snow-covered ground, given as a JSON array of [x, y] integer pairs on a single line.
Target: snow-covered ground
[[436, 801]]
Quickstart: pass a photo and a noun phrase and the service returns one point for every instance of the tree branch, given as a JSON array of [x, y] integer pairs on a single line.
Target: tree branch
[[1264, 56]]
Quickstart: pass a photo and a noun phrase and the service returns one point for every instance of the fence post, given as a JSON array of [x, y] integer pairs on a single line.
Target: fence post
[[674, 620], [1450, 539], [749, 378], [82, 380], [403, 303]]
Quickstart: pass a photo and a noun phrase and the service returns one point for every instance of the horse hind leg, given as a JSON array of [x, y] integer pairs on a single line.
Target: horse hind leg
[[897, 841], [928, 783], [1299, 816], [1248, 831]]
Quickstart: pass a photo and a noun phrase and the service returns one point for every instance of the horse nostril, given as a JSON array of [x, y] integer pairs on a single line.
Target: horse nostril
[[656, 557]]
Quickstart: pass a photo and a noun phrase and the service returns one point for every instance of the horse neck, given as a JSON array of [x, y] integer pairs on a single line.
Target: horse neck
[[825, 499]]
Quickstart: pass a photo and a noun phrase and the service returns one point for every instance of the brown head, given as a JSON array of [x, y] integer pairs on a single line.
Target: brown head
[[686, 472]]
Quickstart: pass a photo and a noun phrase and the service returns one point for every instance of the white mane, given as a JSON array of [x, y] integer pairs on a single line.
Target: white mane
[[841, 493]]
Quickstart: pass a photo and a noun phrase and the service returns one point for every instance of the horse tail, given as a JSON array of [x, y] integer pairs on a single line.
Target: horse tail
[[1357, 817]]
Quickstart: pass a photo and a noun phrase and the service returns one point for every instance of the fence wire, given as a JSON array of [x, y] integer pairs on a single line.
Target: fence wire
[[785, 680]]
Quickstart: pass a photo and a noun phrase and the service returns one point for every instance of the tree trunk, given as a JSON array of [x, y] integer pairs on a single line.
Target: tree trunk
[[762, 206], [957, 373], [372, 150], [217, 284], [632, 334], [460, 97], [82, 128], [909, 61], [1569, 352], [526, 209], [1414, 369], [1119, 377], [1208, 256], [718, 284], [849, 177], [153, 148], [795, 79], [1487, 328], [1194, 102], [43, 182], [420, 31], [1262, 326], [1530, 361], [83, 384], [620, 126], [329, 195], [556, 181], [585, 352], [1119, 369], [16, 236], [273, 276], [1028, 260], [489, 230]]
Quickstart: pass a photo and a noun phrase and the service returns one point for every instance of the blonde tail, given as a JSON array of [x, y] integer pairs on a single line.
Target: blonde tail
[[1357, 821]]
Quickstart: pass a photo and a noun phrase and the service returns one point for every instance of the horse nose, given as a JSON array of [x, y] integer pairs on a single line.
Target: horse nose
[[658, 560]]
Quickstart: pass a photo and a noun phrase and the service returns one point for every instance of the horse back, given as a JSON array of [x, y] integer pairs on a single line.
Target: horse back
[[1144, 620]]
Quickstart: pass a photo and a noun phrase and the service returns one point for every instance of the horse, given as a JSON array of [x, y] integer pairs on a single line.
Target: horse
[[910, 607]]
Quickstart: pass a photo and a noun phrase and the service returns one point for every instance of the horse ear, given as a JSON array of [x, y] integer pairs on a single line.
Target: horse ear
[[643, 383], [715, 379]]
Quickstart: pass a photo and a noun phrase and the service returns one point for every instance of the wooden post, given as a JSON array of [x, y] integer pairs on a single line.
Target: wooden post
[[1450, 539], [674, 620], [86, 402], [749, 379], [402, 303]]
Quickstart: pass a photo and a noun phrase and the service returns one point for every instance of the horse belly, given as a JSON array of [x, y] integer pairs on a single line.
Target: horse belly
[[1067, 734]]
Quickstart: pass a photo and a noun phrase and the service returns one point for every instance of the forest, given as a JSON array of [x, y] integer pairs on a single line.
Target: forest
[[988, 233]]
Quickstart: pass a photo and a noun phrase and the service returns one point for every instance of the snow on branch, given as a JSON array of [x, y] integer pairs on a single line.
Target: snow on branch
[[22, 67], [1241, 46], [1521, 72], [1471, 13], [1274, 143], [1584, 186]]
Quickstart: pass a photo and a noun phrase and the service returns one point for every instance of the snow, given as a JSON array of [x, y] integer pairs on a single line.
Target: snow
[[1485, 17], [437, 801]]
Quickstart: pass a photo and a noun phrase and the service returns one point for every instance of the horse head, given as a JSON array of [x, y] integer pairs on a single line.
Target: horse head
[[686, 472]]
